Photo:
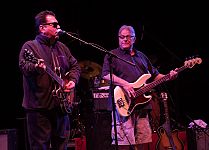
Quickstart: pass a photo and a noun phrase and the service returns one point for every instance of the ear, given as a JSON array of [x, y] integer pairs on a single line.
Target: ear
[[41, 28], [134, 40]]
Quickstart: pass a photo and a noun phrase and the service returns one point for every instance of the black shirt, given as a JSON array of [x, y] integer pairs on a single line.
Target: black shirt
[[127, 71]]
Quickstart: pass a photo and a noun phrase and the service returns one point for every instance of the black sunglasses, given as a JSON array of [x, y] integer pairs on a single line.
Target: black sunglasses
[[53, 24]]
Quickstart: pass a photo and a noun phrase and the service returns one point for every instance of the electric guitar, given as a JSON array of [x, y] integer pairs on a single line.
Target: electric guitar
[[168, 140], [65, 98], [125, 104]]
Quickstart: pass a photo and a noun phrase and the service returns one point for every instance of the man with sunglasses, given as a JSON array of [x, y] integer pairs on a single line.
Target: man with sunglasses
[[133, 128], [50, 73]]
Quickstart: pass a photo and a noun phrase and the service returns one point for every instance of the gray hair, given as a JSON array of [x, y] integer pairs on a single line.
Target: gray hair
[[130, 28]]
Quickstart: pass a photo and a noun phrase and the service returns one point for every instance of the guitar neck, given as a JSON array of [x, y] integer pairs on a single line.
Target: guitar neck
[[167, 120], [54, 76], [153, 84], [166, 125]]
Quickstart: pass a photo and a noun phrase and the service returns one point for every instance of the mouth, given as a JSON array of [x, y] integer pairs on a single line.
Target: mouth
[[126, 44]]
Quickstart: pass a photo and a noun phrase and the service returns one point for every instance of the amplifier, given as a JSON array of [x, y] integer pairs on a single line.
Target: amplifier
[[101, 92], [198, 139], [202, 139], [100, 96]]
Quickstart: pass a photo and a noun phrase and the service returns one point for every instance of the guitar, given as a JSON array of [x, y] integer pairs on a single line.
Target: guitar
[[167, 139], [125, 105], [65, 98]]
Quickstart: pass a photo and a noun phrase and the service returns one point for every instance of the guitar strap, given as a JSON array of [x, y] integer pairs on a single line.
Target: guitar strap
[[40, 53], [39, 50], [55, 63]]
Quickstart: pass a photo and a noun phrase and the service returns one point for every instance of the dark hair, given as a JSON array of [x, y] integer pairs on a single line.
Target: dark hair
[[40, 18]]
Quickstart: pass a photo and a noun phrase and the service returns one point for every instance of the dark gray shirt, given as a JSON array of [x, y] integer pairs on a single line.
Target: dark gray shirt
[[127, 71]]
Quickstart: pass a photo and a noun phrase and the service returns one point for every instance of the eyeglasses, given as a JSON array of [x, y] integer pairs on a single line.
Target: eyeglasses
[[53, 24], [127, 36]]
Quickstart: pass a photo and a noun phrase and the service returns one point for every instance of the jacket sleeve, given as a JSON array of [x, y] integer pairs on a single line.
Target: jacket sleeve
[[74, 70], [27, 60]]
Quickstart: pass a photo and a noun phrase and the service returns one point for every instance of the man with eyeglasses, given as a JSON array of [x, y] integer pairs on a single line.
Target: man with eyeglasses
[[50, 74], [133, 128]]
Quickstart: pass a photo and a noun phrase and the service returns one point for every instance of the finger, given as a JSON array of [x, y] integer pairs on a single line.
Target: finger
[[133, 94], [129, 94], [67, 90]]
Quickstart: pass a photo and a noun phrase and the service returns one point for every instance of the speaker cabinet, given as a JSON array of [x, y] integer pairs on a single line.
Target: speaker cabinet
[[202, 139], [98, 131], [8, 139], [198, 139], [102, 131]]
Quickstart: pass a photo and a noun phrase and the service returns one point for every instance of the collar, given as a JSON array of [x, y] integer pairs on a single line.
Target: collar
[[128, 52], [45, 40]]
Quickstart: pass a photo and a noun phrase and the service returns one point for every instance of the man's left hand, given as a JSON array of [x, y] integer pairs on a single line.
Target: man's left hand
[[173, 74]]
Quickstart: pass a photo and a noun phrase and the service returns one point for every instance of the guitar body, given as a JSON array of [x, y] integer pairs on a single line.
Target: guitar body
[[164, 142], [126, 105], [168, 139], [66, 100]]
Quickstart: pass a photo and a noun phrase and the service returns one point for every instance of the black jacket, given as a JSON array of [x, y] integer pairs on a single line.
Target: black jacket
[[38, 85]]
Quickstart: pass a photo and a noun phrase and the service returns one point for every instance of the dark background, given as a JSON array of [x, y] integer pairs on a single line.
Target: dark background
[[168, 32]]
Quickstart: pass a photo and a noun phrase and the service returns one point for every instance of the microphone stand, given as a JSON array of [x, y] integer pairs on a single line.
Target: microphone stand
[[111, 72]]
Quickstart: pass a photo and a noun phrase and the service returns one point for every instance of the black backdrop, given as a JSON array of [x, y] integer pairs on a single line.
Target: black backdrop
[[172, 31]]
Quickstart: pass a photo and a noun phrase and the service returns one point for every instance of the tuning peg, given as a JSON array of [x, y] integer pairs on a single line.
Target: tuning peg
[[198, 60]]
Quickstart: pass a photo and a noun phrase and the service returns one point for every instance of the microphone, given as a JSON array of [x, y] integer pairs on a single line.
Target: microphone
[[60, 31], [71, 34]]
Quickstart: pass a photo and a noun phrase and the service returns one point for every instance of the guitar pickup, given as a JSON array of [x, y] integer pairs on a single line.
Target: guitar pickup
[[120, 102]]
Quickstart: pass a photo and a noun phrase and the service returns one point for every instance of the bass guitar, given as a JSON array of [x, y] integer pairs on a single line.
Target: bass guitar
[[125, 104], [168, 140], [65, 98]]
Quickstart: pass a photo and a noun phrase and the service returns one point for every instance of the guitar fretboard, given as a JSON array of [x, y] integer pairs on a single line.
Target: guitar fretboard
[[153, 84], [55, 76]]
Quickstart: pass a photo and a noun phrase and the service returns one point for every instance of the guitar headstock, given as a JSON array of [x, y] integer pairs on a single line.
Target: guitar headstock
[[189, 63], [29, 56]]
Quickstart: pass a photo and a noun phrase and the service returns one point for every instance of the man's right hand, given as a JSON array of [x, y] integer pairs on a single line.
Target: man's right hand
[[130, 90]]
